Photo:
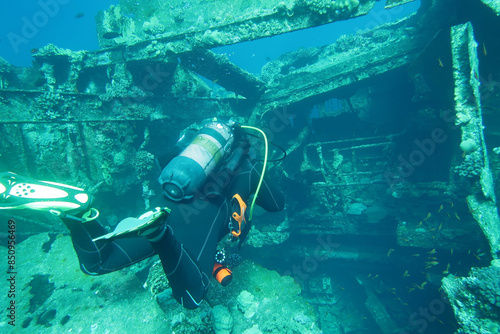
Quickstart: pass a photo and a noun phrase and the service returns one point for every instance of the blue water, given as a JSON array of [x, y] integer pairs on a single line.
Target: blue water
[[252, 55], [55, 22]]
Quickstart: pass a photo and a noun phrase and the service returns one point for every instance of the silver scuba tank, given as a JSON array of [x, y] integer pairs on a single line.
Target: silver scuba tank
[[185, 174]]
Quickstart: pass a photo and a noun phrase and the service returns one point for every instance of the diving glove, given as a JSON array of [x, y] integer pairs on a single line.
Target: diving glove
[[150, 225]]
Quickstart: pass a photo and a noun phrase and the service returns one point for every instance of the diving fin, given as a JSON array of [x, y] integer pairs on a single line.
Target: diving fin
[[18, 192]]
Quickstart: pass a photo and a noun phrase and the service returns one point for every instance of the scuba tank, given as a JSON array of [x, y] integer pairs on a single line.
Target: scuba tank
[[186, 173]]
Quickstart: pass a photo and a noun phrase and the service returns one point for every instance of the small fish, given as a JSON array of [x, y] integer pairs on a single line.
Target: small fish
[[448, 215], [411, 289], [432, 258], [451, 204], [428, 216], [484, 50], [416, 255], [447, 270], [393, 290], [79, 15], [215, 81], [419, 224], [432, 263], [390, 251], [477, 257], [440, 227], [34, 51], [440, 63], [451, 252], [440, 208], [111, 35], [421, 286], [406, 274], [375, 276], [369, 275], [456, 215], [432, 251]]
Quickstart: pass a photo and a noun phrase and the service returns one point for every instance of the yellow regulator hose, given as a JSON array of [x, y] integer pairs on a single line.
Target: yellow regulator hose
[[263, 167]]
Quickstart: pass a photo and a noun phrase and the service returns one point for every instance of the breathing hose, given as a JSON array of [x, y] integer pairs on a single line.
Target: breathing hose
[[263, 167]]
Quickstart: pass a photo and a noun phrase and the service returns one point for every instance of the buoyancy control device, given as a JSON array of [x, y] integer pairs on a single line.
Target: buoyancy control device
[[185, 174]]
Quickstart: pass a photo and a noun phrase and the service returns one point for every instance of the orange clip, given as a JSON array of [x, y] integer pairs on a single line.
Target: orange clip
[[237, 217]]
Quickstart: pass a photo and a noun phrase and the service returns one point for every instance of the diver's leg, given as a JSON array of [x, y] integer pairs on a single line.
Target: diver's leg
[[104, 256], [189, 284], [187, 249], [74, 206]]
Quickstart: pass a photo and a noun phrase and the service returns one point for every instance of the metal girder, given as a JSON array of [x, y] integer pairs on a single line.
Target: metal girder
[[482, 203], [356, 60], [222, 72]]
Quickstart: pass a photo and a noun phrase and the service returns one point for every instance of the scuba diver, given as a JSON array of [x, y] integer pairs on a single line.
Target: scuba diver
[[206, 187]]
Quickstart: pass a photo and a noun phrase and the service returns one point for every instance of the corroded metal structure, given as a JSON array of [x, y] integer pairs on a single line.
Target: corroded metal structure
[[391, 134]]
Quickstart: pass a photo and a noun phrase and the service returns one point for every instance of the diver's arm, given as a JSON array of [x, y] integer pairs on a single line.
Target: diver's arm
[[245, 183]]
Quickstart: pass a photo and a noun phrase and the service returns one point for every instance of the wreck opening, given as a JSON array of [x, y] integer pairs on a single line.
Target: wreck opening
[[253, 55]]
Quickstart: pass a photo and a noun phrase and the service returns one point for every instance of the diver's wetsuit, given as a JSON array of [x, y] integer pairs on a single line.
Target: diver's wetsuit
[[188, 247]]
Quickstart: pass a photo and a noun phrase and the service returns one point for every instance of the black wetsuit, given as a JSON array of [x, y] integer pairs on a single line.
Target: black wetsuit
[[187, 249]]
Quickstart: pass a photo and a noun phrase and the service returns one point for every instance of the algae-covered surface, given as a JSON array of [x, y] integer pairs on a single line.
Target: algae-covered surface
[[387, 112]]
